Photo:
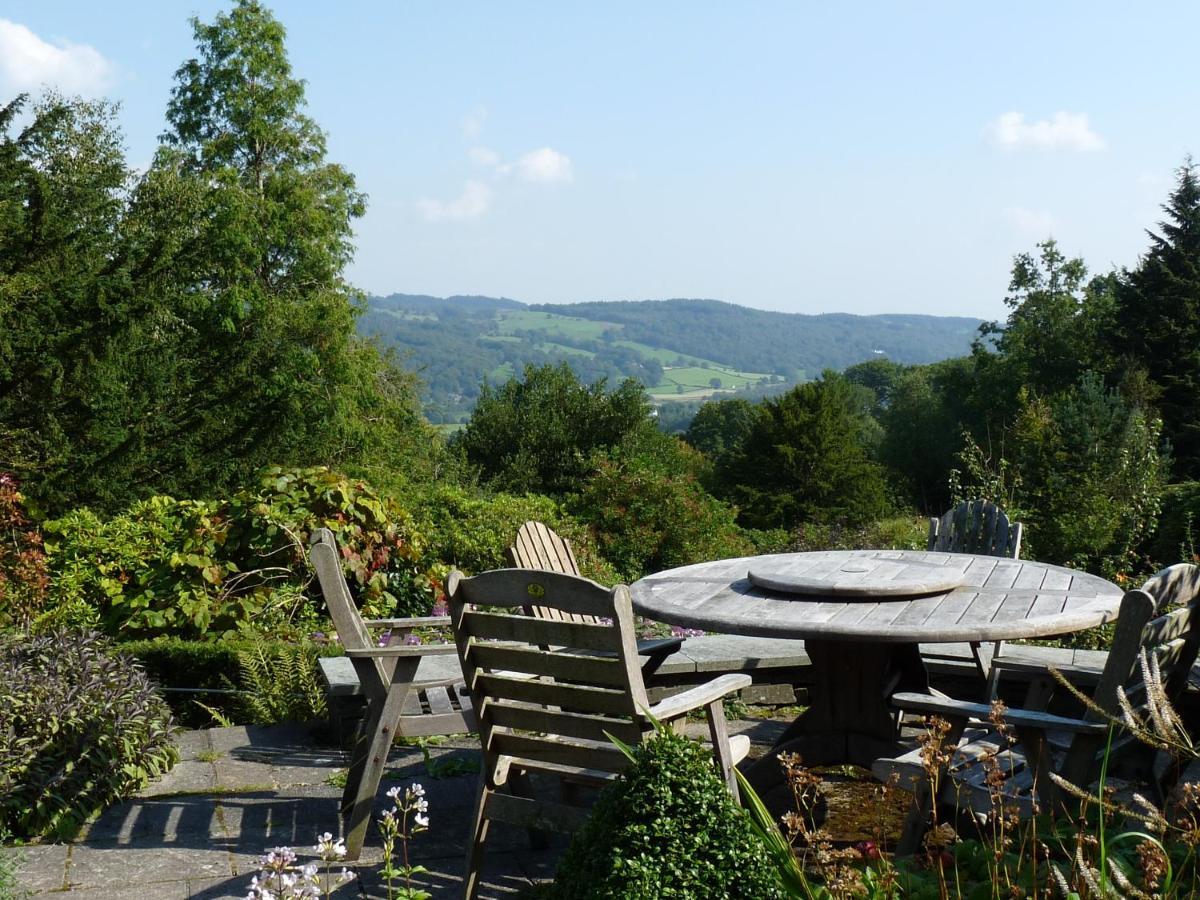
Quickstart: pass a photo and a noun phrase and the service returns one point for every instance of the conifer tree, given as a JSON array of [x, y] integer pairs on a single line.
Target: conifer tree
[[1158, 318]]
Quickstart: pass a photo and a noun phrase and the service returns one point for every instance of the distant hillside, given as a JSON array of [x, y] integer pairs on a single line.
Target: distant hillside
[[754, 338], [682, 350]]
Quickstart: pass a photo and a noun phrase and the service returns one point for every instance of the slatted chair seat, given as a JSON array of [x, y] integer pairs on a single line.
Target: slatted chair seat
[[551, 691], [396, 704], [537, 546], [1041, 742]]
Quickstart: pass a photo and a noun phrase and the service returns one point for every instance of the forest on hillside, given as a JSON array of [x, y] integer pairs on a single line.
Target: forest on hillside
[[457, 343]]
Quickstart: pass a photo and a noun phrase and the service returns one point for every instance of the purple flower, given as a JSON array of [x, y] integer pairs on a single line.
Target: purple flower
[[680, 631], [412, 639]]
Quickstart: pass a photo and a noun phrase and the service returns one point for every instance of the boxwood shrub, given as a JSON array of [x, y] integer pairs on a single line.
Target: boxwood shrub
[[81, 726], [667, 828]]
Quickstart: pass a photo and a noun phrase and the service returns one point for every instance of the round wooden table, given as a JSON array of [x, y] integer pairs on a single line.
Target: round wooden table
[[862, 614]]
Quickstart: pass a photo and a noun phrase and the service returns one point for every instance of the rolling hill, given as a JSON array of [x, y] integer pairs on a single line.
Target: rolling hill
[[680, 349]]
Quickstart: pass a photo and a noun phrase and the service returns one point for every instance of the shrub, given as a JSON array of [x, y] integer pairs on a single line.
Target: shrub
[[195, 567], [23, 578], [648, 512], [667, 828], [80, 727], [893, 533], [471, 532], [1178, 525]]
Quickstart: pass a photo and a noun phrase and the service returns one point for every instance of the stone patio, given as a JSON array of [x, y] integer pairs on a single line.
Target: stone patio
[[238, 792]]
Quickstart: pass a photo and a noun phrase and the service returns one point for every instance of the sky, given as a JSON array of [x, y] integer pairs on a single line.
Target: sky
[[803, 157]]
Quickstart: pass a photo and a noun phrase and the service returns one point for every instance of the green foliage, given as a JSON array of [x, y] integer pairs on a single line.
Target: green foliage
[[23, 578], [805, 460], [1158, 318], [538, 433], [648, 512], [470, 530], [1178, 532], [667, 828], [721, 426], [892, 533], [1084, 471], [176, 332], [80, 727], [195, 567], [281, 682]]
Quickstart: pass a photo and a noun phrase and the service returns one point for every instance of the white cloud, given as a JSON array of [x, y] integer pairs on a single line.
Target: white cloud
[[543, 165], [1062, 131], [472, 123], [484, 157], [27, 63], [473, 202], [1037, 221]]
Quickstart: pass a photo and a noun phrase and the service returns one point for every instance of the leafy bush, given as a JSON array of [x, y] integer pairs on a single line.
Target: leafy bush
[[895, 533], [648, 512], [80, 727], [471, 531], [23, 578], [1178, 525], [194, 567], [667, 828]]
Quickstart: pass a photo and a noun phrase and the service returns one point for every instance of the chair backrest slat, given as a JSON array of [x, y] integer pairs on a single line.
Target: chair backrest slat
[[549, 632], [975, 526], [538, 546]]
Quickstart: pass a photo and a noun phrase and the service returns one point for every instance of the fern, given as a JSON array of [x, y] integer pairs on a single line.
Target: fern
[[280, 682]]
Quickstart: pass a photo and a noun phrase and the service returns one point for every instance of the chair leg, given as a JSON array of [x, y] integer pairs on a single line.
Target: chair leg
[[479, 830], [718, 733], [359, 796]]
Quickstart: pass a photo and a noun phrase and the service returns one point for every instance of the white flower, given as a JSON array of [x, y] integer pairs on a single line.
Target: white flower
[[417, 790], [421, 820], [394, 793]]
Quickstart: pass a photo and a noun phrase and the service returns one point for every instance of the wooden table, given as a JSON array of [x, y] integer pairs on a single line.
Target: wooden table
[[862, 614]]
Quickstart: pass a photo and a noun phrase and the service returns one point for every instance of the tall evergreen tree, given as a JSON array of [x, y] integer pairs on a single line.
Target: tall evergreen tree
[[1158, 318]]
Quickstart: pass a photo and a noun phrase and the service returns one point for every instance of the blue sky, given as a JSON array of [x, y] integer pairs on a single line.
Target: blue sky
[[809, 158]]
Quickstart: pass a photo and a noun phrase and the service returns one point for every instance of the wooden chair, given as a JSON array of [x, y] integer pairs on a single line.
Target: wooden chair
[[975, 526], [395, 704], [539, 547], [550, 690], [1073, 747]]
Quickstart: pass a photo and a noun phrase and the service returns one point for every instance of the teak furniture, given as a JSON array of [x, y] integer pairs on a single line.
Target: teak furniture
[[976, 526], [549, 692], [1018, 765], [386, 674], [538, 546], [862, 640]]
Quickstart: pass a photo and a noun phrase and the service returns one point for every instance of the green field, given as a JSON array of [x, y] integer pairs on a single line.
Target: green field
[[500, 338], [552, 325], [663, 356], [502, 373], [694, 382]]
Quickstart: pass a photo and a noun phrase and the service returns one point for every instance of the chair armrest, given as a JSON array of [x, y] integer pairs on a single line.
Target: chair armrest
[[414, 622], [694, 698], [400, 650], [1023, 718]]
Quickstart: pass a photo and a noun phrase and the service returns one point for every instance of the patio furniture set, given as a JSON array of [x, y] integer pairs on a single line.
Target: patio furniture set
[[551, 665]]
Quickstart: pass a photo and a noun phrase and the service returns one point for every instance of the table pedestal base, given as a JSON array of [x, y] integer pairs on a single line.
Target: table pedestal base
[[849, 719]]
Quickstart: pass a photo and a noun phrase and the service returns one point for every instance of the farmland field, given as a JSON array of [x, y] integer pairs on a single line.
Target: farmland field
[[553, 325], [693, 382]]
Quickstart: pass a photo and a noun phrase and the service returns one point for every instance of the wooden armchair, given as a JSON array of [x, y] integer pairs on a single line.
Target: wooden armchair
[[975, 526], [550, 690], [539, 547], [1072, 747], [386, 674]]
